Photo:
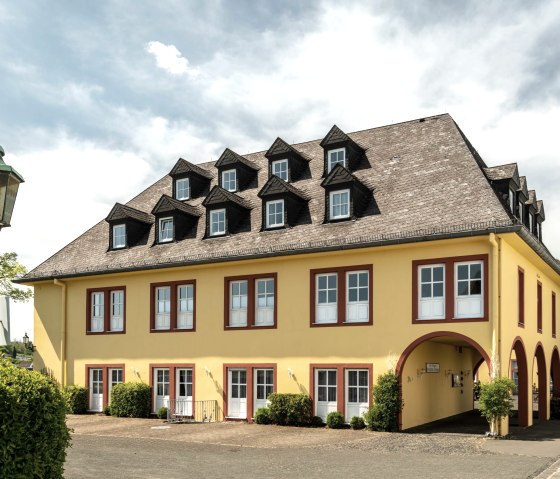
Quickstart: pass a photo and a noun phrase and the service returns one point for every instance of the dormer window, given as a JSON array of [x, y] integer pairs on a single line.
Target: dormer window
[[119, 236], [531, 222], [511, 201], [286, 162], [335, 157], [520, 210], [229, 180], [165, 230], [340, 149], [275, 214], [236, 173], [339, 204], [217, 222], [279, 168], [182, 189]]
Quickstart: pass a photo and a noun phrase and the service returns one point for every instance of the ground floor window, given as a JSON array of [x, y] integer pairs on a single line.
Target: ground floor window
[[100, 379], [173, 387]]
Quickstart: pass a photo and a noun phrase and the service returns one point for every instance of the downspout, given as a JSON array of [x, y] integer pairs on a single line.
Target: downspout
[[496, 304], [62, 333]]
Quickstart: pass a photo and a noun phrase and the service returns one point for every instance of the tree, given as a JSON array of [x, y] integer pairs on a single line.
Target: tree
[[496, 401], [10, 269]]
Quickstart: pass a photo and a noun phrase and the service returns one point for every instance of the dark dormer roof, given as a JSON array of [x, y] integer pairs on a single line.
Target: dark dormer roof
[[340, 176], [229, 157], [166, 204], [540, 209], [503, 172], [334, 136], [219, 196], [523, 186], [122, 213], [532, 199], [281, 148], [276, 187], [182, 167]]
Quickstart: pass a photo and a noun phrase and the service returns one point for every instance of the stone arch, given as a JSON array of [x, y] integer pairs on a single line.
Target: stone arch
[[542, 381], [523, 384]]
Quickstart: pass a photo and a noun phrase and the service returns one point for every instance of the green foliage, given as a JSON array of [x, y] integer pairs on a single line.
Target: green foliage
[[130, 400], [10, 269], [162, 413], [290, 409], [107, 410], [76, 399], [317, 421], [262, 416], [335, 420], [555, 407], [33, 432], [357, 422], [496, 401], [383, 415], [476, 390]]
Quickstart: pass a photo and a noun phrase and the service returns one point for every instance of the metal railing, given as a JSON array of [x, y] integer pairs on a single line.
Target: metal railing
[[185, 410]]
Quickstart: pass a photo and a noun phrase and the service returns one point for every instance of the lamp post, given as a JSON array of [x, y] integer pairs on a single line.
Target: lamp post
[[28, 344], [9, 184]]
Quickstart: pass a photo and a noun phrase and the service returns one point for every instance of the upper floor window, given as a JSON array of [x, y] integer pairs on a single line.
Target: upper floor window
[[251, 301], [182, 189], [553, 314], [217, 222], [119, 236], [165, 230], [173, 306], [520, 297], [511, 200], [468, 290], [431, 304], [280, 169], [229, 180], [339, 204], [334, 157], [539, 307], [275, 214], [106, 310]]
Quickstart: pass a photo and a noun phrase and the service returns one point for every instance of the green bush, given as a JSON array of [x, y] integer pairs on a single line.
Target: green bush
[[496, 401], [335, 420], [262, 416], [555, 408], [76, 399], [33, 432], [107, 410], [162, 413], [357, 422], [317, 421], [290, 409], [130, 400], [383, 415]]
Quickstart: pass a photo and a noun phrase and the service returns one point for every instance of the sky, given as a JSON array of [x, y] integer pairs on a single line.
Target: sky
[[98, 100]]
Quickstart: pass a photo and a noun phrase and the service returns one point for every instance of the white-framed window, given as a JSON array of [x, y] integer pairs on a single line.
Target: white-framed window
[[520, 210], [327, 293], [264, 386], [119, 236], [97, 312], [238, 303], [264, 298], [335, 157], [357, 392], [229, 180], [217, 222], [469, 287], [165, 230], [431, 286], [339, 204], [511, 200], [531, 222], [163, 307], [185, 306], [279, 168], [325, 392], [116, 376], [161, 388], [182, 189], [274, 213], [357, 296], [117, 310]]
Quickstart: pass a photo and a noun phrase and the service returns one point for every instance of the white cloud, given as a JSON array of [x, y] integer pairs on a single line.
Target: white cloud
[[170, 59]]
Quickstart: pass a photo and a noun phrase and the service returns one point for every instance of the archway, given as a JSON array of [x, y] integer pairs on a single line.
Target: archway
[[541, 381], [555, 373], [522, 381]]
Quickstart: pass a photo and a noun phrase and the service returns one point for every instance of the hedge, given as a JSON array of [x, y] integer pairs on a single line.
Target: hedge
[[335, 420], [383, 415], [130, 400], [290, 409], [76, 399], [34, 435]]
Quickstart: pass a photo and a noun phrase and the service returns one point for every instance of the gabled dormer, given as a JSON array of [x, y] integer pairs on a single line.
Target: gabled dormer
[[522, 197], [531, 212], [286, 162], [235, 172], [127, 227], [540, 218], [346, 197], [282, 204], [175, 220], [226, 213], [505, 182], [189, 180], [339, 148]]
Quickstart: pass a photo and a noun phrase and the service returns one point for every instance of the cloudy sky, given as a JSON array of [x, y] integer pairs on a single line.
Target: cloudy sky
[[99, 99]]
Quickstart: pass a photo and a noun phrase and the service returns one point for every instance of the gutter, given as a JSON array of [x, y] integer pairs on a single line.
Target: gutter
[[62, 333]]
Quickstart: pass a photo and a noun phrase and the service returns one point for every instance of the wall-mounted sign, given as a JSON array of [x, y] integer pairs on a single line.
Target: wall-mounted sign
[[432, 367], [456, 381]]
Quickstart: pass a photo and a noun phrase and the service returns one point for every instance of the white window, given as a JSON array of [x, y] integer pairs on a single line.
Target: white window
[[185, 306], [264, 308], [357, 297], [119, 236], [117, 310], [327, 292], [217, 222], [431, 285], [264, 386], [520, 212], [511, 201], [279, 168], [238, 303], [97, 312], [339, 204], [357, 392], [184, 391], [469, 300], [96, 390], [325, 392], [274, 214], [335, 157], [163, 307], [229, 180], [115, 377], [161, 388], [182, 189], [531, 222], [165, 230]]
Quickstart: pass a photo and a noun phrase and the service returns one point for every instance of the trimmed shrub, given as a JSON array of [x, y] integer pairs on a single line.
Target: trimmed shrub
[[162, 413], [76, 399], [357, 422], [383, 415], [107, 410], [262, 416], [290, 409], [130, 400], [34, 435], [555, 408], [335, 420], [317, 421], [496, 401]]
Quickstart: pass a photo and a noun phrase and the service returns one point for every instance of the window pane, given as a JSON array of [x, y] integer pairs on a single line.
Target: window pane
[[331, 296], [426, 291], [363, 378], [332, 394], [463, 288], [332, 281], [463, 271], [476, 287], [438, 273], [322, 282], [363, 294], [364, 279], [332, 378], [269, 376], [476, 271], [353, 295], [363, 395], [322, 297], [322, 377], [352, 280], [426, 274], [438, 290], [352, 395], [322, 394], [353, 378]]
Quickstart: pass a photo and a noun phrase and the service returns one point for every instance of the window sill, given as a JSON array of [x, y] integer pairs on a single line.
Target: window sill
[[96, 333], [174, 330], [521, 325], [343, 323], [253, 326]]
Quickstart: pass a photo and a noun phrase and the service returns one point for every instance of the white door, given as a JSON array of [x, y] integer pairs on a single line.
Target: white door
[[325, 392], [161, 388], [96, 390], [183, 381], [264, 385], [357, 392], [115, 377], [237, 394]]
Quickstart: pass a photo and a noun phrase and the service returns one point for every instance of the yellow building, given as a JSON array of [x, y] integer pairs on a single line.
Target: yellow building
[[312, 268]]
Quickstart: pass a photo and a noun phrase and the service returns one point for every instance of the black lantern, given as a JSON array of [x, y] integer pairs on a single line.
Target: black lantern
[[9, 184], [28, 344]]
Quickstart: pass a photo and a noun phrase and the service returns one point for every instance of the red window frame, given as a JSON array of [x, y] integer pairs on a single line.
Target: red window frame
[[553, 314], [106, 309], [520, 297], [173, 301], [172, 383], [539, 307], [105, 368]]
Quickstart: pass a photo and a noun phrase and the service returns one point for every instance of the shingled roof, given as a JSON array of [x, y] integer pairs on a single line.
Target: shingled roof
[[427, 180]]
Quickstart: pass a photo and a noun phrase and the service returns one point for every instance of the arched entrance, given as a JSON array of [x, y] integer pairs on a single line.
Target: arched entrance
[[522, 378], [436, 373], [541, 381], [555, 373]]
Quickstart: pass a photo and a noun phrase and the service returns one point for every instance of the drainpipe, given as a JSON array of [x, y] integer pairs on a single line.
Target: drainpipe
[[62, 333], [496, 303]]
